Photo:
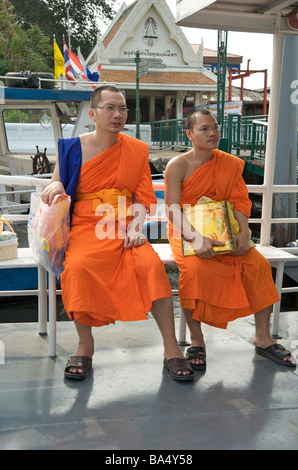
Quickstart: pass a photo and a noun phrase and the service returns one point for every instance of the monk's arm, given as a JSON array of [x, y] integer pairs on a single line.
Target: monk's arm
[[172, 179], [242, 240], [242, 207], [134, 236], [174, 175], [55, 186]]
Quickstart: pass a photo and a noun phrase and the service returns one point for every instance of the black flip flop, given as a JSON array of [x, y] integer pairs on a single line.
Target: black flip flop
[[81, 362], [197, 352], [176, 364], [277, 353]]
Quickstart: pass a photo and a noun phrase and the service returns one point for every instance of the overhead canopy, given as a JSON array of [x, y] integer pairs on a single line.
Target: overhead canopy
[[258, 16]]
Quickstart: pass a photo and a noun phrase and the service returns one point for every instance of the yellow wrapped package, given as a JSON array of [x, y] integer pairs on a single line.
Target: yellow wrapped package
[[213, 219], [48, 231]]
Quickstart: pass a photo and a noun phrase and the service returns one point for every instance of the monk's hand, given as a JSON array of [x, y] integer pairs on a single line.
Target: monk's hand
[[51, 191], [204, 248], [134, 239], [242, 243]]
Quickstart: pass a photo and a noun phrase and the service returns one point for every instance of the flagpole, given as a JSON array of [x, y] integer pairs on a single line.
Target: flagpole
[[68, 27]]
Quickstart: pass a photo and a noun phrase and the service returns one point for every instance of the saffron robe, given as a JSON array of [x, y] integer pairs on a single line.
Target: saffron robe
[[102, 281], [225, 287]]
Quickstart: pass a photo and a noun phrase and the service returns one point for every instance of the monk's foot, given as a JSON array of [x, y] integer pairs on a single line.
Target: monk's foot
[[84, 350], [196, 353], [179, 369], [196, 356], [175, 353], [267, 347]]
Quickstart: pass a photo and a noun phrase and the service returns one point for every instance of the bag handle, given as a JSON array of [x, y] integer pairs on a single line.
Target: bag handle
[[3, 222]]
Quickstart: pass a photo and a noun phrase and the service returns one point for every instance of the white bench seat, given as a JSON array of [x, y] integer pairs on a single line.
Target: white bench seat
[[46, 290], [276, 256]]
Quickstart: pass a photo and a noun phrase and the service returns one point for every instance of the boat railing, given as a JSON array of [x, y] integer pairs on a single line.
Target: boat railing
[[62, 83], [266, 220], [14, 191], [40, 181]]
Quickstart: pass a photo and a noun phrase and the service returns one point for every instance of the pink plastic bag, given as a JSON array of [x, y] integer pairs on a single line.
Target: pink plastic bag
[[48, 231]]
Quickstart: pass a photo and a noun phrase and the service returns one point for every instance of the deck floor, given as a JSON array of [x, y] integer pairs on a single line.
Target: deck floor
[[129, 402]]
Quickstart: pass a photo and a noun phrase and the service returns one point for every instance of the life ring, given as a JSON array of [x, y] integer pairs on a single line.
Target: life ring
[[15, 82], [293, 19], [30, 80], [49, 84], [40, 163]]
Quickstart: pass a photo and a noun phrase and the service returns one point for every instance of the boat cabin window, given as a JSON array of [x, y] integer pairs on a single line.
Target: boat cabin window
[[68, 113], [27, 128]]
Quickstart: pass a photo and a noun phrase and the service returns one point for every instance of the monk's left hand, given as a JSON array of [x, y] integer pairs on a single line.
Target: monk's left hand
[[134, 240]]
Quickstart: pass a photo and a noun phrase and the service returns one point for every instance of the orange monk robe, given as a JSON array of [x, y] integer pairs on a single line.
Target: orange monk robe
[[225, 287], [102, 281]]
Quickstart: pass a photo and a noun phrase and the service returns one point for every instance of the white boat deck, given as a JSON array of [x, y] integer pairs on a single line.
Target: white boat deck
[[129, 402]]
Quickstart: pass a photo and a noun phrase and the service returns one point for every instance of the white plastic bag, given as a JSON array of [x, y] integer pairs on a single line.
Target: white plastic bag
[[48, 231]]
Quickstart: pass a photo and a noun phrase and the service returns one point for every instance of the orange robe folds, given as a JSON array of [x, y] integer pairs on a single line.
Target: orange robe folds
[[225, 287], [102, 281]]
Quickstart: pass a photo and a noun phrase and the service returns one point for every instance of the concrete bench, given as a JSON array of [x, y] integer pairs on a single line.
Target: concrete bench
[[46, 290]]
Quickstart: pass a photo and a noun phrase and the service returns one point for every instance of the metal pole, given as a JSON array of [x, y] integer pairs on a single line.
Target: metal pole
[[284, 205], [68, 28], [52, 316], [221, 74], [137, 60], [42, 300], [272, 136]]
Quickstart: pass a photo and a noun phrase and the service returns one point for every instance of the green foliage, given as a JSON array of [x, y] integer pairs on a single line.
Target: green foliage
[[51, 17], [22, 49], [25, 115], [16, 115]]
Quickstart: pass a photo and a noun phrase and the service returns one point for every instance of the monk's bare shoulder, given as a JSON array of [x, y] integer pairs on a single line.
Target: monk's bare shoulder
[[87, 136], [178, 165]]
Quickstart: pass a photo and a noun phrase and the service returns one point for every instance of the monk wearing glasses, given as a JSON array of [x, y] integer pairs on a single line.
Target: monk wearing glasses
[[111, 272]]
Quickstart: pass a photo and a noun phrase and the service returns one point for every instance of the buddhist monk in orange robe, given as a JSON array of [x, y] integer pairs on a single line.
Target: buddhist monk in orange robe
[[111, 272], [99, 266], [217, 288]]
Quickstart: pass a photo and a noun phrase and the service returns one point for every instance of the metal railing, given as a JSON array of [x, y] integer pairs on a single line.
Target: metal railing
[[169, 133], [258, 139], [246, 134], [10, 204], [266, 219]]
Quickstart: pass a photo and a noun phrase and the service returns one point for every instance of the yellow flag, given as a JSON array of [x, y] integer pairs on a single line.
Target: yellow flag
[[59, 61]]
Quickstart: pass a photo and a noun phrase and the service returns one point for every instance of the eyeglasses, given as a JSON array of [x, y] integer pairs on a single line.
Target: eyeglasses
[[112, 109], [207, 129]]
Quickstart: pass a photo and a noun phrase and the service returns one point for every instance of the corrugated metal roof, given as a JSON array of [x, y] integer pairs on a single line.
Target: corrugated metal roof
[[249, 96]]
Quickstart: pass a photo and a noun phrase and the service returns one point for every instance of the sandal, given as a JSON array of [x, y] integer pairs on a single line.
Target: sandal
[[277, 353], [81, 362], [175, 365], [197, 352]]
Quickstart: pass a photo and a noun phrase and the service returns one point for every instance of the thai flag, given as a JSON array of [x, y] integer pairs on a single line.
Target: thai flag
[[93, 76], [74, 67]]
